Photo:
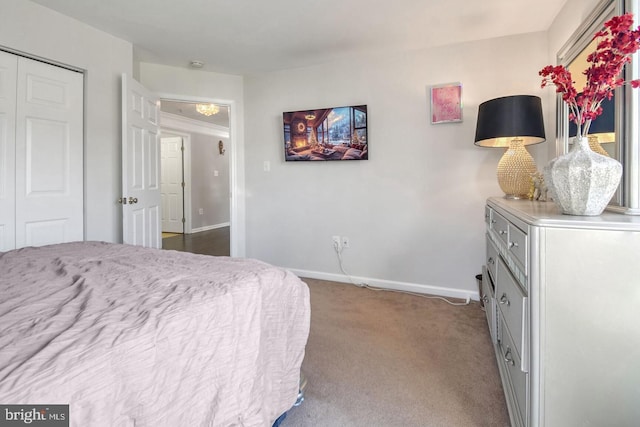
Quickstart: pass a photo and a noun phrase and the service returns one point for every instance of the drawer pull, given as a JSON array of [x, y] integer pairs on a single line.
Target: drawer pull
[[504, 300], [491, 261], [507, 357], [485, 299], [512, 244], [502, 232]]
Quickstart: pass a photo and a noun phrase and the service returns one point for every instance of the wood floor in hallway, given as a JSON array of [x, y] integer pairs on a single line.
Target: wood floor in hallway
[[211, 242]]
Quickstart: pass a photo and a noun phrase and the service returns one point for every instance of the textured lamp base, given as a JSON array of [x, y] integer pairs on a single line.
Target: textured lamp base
[[595, 146], [514, 171]]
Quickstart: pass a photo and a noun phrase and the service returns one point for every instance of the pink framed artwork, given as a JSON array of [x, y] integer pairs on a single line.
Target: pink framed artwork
[[446, 103]]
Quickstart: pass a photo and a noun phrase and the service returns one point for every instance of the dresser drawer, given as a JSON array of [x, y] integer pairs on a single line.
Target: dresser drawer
[[516, 383], [500, 226], [491, 258], [518, 247], [510, 300]]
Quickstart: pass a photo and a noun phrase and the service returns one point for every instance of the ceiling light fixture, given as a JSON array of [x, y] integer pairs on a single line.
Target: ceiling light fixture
[[310, 116], [196, 64], [207, 109]]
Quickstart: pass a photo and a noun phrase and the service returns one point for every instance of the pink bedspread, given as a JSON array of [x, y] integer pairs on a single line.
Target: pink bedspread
[[131, 336]]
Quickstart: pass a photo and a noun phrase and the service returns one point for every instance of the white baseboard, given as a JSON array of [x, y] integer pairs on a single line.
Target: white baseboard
[[389, 284], [210, 227]]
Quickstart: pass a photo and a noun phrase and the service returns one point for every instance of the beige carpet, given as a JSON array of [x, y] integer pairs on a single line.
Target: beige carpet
[[389, 359]]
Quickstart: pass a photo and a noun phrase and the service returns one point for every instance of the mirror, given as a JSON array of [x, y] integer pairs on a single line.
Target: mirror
[[615, 131], [602, 132]]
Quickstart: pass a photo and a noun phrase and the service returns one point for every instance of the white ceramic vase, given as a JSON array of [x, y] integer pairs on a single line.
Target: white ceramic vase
[[582, 182]]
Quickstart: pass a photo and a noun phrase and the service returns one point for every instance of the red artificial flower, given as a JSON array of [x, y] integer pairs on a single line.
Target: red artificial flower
[[618, 42]]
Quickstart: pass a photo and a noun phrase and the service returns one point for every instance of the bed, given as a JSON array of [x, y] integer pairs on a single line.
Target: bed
[[132, 336]]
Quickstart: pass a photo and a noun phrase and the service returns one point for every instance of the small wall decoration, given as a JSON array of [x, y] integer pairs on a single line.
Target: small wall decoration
[[446, 103]]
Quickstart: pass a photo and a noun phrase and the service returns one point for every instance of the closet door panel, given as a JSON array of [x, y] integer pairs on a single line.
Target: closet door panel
[[49, 155], [48, 171], [8, 71]]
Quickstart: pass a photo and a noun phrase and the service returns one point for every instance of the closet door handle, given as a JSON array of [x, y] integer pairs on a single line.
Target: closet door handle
[[504, 300], [133, 200], [507, 357]]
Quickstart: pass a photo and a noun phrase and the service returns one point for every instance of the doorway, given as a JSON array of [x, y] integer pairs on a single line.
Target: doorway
[[195, 177]]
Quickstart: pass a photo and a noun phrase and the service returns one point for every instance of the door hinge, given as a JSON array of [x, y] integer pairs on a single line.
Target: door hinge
[[183, 220], [183, 185], [182, 148]]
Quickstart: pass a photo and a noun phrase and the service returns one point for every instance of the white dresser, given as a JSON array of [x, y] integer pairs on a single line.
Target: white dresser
[[562, 298]]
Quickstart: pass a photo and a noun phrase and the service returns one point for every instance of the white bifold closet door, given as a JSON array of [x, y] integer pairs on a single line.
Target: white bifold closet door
[[41, 145]]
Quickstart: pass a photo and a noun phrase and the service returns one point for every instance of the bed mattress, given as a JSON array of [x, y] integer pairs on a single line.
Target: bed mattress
[[132, 336]]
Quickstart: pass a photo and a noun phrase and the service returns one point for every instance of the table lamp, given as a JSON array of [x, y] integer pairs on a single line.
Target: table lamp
[[602, 130], [513, 122]]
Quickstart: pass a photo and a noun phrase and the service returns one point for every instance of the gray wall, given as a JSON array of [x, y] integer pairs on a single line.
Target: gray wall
[[208, 191], [414, 212]]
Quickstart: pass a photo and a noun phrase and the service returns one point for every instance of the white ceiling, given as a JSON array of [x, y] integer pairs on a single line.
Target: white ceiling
[[252, 36]]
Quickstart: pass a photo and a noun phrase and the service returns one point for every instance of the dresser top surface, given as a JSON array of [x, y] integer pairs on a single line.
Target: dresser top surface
[[547, 214]]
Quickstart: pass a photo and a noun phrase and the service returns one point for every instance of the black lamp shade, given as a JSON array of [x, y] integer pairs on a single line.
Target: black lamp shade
[[603, 124], [501, 120]]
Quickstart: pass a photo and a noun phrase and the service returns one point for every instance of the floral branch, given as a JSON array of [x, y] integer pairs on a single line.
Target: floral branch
[[618, 42]]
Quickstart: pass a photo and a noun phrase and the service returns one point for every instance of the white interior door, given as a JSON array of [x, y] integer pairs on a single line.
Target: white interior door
[[172, 187], [49, 157], [8, 75], [141, 212]]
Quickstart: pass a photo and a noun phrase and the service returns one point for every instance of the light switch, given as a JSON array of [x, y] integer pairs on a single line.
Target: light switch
[[267, 166], [215, 173]]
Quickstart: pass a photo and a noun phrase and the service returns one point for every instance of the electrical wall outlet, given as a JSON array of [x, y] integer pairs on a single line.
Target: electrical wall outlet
[[345, 242], [201, 211], [337, 244]]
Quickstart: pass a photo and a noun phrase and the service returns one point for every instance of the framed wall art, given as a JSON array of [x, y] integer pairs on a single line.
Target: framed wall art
[[446, 103], [338, 133]]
